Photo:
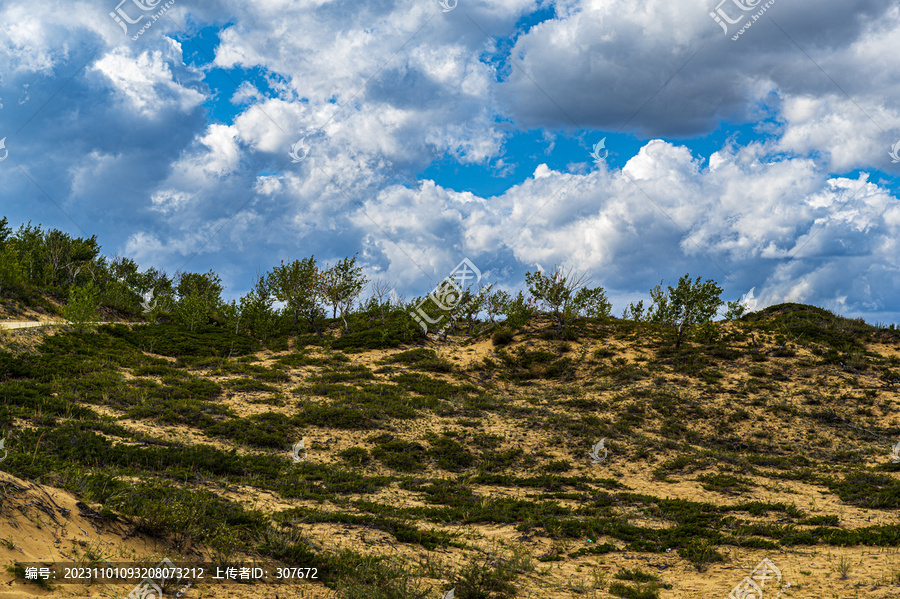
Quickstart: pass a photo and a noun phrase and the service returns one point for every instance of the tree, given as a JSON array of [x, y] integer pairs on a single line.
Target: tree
[[83, 306], [5, 231], [256, 309], [379, 303], [687, 304], [634, 311], [341, 285], [565, 294], [67, 256], [191, 311], [736, 309], [299, 285], [199, 297], [157, 294], [496, 303], [11, 272], [472, 304], [517, 312]]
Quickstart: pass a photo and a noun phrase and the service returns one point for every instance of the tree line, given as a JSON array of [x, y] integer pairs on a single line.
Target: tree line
[[36, 264]]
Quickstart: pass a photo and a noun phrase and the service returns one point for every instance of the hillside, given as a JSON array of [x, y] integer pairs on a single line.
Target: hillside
[[463, 464]]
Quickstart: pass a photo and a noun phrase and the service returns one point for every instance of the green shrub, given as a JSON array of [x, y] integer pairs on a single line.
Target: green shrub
[[486, 579], [502, 336], [83, 307], [624, 591], [701, 553], [356, 456], [403, 456]]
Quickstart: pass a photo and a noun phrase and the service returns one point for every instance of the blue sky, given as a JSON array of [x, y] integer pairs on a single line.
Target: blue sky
[[430, 136]]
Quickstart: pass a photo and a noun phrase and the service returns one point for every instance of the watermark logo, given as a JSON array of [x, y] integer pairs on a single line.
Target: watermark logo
[[151, 588], [146, 304], [448, 294], [748, 301], [295, 455], [3, 147], [120, 16], [752, 586], [595, 452], [182, 591], [600, 145], [895, 453], [895, 151], [5, 453], [298, 151], [447, 6], [724, 19]]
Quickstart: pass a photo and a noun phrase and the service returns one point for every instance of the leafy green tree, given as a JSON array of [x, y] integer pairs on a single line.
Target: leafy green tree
[[256, 310], [517, 312], [634, 311], [192, 311], [11, 271], [341, 285], [687, 304], [199, 298], [471, 304], [496, 303], [566, 296], [299, 285], [736, 309], [29, 242], [231, 316], [68, 256], [83, 307]]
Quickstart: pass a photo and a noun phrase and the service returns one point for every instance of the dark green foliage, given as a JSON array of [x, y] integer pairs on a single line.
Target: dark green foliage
[[72, 444], [177, 341], [369, 407], [700, 552], [868, 490], [432, 387], [724, 483], [420, 359], [502, 336], [12, 367], [267, 430], [813, 325], [450, 454], [83, 307], [321, 481], [343, 373], [403, 456], [355, 456], [303, 358], [523, 365], [51, 432], [624, 591], [558, 466], [636, 575], [249, 385], [396, 332], [486, 579]]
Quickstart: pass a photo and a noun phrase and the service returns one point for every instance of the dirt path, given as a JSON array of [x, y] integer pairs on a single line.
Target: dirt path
[[26, 324], [30, 324]]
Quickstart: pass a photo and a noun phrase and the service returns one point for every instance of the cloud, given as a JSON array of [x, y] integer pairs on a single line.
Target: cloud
[[145, 83], [800, 207]]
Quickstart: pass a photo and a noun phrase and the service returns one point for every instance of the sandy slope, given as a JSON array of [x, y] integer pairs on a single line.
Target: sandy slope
[[46, 524]]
